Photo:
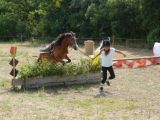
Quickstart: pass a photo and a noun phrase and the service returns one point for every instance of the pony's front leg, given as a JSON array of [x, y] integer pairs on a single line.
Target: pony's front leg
[[61, 61], [69, 60]]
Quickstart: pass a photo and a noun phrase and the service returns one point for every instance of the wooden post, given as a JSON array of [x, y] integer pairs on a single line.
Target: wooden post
[[113, 41], [21, 38], [126, 43], [13, 80], [89, 47], [13, 62]]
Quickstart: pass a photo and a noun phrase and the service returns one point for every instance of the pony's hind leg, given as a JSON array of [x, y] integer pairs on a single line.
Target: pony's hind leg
[[43, 56], [39, 58], [69, 60], [63, 62]]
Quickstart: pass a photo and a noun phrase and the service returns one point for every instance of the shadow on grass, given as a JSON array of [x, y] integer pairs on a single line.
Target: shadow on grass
[[55, 90]]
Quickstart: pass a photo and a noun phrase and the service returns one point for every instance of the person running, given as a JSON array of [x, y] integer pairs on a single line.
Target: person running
[[106, 52]]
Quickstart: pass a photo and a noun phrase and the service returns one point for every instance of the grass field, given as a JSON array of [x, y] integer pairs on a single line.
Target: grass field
[[133, 95]]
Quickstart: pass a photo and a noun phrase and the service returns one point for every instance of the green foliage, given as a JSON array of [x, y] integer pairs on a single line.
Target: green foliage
[[124, 17], [88, 18], [151, 14], [154, 36], [98, 15], [45, 68], [7, 24]]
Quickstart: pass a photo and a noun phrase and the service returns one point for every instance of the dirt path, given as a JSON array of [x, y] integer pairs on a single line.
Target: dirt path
[[133, 95]]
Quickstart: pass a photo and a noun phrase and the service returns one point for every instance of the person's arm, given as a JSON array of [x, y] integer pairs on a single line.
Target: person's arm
[[120, 52], [98, 54]]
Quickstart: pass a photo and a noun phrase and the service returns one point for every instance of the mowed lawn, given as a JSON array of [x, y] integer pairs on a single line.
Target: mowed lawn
[[133, 95]]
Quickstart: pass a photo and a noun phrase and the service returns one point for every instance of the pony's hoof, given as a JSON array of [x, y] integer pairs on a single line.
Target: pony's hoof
[[68, 61]]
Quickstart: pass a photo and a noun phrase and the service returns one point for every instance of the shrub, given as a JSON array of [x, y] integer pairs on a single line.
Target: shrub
[[45, 68]]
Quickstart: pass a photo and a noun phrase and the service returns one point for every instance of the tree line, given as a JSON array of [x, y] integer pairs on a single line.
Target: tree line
[[87, 18]]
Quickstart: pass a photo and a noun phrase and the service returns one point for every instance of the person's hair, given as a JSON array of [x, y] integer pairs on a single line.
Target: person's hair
[[106, 43]]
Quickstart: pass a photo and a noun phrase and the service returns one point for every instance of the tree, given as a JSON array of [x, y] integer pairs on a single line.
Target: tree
[[151, 15], [124, 17]]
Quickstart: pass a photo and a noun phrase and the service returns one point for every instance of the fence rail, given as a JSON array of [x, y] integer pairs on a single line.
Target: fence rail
[[127, 42]]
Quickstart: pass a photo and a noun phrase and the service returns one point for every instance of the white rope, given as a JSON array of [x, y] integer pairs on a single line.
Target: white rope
[[82, 52]]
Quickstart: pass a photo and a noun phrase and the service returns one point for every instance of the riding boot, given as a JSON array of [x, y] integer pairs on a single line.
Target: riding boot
[[101, 89], [108, 83]]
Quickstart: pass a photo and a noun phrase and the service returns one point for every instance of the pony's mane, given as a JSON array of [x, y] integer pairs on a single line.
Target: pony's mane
[[59, 39]]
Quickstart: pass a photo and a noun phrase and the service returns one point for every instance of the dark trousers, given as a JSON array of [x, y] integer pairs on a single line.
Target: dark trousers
[[104, 73]]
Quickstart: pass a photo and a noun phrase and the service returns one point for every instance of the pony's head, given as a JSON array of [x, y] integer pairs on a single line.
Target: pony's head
[[71, 40], [67, 39]]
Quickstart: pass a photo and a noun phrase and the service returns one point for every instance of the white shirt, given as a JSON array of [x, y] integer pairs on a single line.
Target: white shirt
[[106, 60], [156, 49]]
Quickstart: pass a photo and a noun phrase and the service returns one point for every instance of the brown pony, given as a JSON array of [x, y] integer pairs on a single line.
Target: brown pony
[[57, 51]]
